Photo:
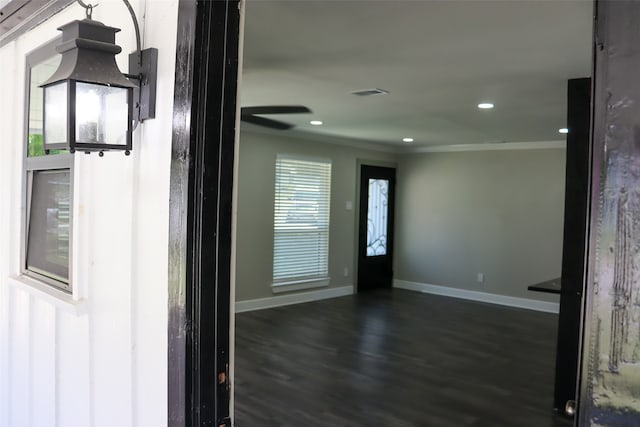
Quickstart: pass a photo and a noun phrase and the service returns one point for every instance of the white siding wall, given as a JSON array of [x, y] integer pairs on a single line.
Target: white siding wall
[[100, 357]]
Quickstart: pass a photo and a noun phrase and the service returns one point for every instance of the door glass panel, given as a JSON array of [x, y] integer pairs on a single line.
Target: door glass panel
[[377, 214]]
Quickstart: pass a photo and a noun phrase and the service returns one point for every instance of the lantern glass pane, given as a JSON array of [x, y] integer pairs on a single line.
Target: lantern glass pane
[[102, 114], [55, 114]]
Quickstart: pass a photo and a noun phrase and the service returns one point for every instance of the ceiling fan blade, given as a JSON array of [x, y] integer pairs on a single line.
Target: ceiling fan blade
[[261, 121], [275, 109]]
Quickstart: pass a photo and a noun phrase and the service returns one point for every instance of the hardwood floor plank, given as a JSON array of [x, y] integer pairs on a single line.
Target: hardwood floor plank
[[395, 358]]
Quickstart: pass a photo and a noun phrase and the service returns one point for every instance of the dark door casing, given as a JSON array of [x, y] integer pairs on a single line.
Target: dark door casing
[[576, 207], [375, 234], [200, 213]]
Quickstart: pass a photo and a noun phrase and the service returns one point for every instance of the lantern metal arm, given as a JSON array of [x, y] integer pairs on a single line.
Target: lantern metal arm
[[143, 66], [136, 28], [89, 9]]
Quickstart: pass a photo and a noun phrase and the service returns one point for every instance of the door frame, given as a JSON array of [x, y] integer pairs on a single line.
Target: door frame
[[199, 293], [205, 101], [356, 210], [390, 220], [200, 212]]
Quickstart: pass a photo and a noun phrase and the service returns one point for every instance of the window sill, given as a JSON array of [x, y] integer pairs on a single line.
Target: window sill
[[298, 285], [43, 292]]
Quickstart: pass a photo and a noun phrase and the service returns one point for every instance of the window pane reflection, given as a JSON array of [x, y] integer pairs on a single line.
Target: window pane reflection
[[39, 74], [48, 239]]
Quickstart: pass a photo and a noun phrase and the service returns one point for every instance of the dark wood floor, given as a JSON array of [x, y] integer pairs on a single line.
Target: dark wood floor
[[395, 358]]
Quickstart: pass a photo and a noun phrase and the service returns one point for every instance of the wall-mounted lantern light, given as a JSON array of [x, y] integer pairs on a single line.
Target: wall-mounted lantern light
[[89, 105]]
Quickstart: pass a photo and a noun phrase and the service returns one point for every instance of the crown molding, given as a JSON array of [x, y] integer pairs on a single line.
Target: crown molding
[[355, 143], [494, 146]]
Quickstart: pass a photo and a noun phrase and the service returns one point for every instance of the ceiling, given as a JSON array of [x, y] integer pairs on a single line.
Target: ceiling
[[437, 59]]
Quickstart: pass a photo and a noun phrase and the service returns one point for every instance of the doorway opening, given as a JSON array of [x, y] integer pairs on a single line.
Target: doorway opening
[[375, 228], [478, 215]]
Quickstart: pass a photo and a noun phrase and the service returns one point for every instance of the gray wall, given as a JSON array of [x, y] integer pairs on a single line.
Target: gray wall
[[495, 212], [256, 185]]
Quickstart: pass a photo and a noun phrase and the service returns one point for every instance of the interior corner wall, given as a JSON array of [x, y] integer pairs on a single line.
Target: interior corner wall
[[256, 186], [499, 213], [100, 360]]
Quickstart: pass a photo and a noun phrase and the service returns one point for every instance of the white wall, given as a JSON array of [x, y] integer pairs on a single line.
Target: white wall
[[256, 184], [496, 212], [99, 357]]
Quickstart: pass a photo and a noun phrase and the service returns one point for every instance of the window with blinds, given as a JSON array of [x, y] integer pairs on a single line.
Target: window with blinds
[[301, 219]]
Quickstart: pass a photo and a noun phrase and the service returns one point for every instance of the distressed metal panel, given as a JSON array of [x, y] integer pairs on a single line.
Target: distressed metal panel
[[610, 388]]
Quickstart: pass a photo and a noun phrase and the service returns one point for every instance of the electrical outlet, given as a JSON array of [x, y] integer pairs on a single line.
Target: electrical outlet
[[346, 272], [480, 278]]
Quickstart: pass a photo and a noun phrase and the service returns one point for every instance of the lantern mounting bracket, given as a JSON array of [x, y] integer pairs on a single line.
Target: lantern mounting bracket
[[143, 68]]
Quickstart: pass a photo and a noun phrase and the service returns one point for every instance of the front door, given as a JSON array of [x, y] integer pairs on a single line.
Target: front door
[[375, 241]]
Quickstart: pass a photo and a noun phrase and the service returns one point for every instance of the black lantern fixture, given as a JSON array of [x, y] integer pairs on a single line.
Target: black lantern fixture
[[89, 105]]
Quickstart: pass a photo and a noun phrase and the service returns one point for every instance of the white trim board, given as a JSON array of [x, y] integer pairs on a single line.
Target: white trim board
[[492, 146], [297, 298], [526, 303]]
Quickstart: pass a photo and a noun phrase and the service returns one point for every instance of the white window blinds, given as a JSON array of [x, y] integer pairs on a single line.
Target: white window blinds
[[301, 219]]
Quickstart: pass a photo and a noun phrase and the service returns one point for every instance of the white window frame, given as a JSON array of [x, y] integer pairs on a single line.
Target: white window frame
[[42, 163], [319, 277]]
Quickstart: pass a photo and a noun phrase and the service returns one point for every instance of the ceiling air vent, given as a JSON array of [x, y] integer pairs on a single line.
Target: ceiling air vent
[[369, 92]]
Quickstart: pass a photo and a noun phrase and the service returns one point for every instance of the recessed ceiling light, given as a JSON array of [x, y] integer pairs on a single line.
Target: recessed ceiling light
[[485, 106], [316, 122], [407, 139], [563, 130]]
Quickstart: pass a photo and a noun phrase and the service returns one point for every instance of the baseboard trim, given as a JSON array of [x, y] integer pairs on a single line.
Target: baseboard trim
[[526, 303], [297, 298]]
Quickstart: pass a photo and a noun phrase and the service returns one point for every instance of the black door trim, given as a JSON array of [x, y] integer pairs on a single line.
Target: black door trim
[[381, 269], [576, 217], [200, 212]]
